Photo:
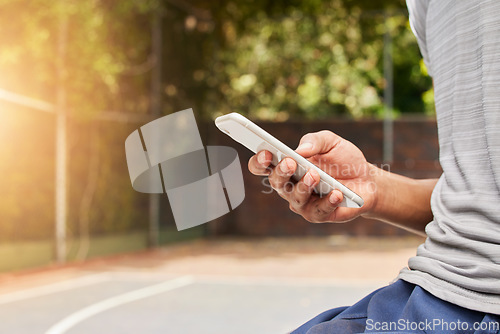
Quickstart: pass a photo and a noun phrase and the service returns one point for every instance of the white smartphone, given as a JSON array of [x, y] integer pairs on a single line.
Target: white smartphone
[[257, 139]]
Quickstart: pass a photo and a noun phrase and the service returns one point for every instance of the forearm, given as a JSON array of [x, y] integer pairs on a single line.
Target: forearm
[[402, 201]]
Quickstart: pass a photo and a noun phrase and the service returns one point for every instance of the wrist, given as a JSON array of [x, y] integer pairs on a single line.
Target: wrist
[[375, 190], [400, 201]]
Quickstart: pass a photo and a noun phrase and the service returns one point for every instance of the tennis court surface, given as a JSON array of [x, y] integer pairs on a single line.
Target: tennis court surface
[[217, 286]]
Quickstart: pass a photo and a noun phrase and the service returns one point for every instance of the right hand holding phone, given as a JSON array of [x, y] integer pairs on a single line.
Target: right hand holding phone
[[334, 155]]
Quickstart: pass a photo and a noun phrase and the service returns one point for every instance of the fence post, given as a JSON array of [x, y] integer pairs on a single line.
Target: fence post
[[156, 105], [388, 151], [61, 149]]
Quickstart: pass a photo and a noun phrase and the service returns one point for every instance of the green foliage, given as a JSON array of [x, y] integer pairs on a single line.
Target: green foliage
[[304, 60], [103, 43], [299, 65]]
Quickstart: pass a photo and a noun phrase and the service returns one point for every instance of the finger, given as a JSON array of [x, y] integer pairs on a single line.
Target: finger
[[280, 176], [304, 188], [317, 143], [259, 163], [324, 208]]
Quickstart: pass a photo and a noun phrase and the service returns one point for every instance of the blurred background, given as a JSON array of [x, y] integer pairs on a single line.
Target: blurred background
[[77, 77]]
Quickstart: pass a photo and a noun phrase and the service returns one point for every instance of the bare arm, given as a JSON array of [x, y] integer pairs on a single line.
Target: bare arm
[[389, 197], [402, 201]]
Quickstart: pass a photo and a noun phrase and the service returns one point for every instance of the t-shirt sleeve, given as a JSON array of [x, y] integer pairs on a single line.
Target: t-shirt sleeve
[[418, 17]]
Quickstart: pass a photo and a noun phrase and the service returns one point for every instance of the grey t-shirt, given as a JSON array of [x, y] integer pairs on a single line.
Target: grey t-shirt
[[460, 260]]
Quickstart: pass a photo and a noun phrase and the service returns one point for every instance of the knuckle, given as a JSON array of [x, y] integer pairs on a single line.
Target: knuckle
[[299, 201], [319, 211], [308, 136]]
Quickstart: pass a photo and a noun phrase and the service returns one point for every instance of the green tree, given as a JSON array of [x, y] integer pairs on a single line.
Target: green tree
[[275, 60]]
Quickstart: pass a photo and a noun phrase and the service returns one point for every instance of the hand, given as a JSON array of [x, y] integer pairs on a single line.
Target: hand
[[336, 156]]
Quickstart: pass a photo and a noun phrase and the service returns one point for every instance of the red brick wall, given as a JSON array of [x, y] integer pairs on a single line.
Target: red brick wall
[[261, 214]]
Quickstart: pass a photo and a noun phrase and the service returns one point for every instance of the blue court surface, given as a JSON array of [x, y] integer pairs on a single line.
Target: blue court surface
[[129, 302]]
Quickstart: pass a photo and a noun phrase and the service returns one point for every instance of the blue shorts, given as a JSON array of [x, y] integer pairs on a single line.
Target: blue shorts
[[401, 308]]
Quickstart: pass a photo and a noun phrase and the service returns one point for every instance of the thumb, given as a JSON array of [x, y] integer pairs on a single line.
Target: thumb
[[315, 143]]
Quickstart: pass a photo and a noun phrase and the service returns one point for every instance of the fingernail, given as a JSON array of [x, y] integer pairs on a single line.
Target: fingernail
[[284, 167], [308, 179], [261, 157], [334, 198], [305, 146]]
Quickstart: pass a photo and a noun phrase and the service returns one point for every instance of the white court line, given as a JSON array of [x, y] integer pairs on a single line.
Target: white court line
[[106, 304], [53, 288], [255, 280]]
